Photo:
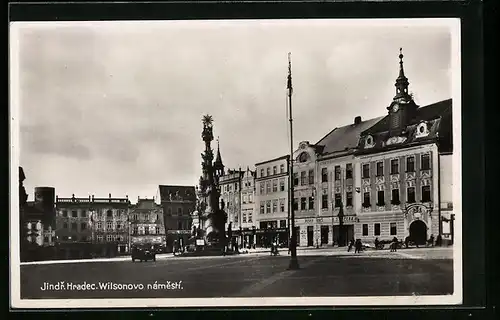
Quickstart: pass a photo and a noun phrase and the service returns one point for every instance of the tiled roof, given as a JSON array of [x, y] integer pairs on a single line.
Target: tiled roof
[[145, 204], [345, 138], [184, 192], [438, 117]]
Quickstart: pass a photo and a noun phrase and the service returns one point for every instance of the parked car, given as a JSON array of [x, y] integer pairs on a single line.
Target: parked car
[[143, 253]]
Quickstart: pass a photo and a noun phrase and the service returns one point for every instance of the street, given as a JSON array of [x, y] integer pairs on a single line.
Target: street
[[323, 272]]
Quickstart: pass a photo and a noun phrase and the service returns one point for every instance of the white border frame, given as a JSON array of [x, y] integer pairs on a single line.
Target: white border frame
[[455, 298]]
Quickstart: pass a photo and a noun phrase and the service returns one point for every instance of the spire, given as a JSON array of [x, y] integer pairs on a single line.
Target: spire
[[402, 81], [289, 78], [218, 160]]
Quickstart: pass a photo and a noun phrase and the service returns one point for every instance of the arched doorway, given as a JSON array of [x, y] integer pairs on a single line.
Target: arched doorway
[[418, 232]]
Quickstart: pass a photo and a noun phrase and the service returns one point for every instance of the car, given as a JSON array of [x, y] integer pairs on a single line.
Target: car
[[143, 253]]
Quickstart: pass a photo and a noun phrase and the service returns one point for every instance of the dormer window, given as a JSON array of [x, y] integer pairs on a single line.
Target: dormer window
[[369, 143], [303, 157], [422, 130]]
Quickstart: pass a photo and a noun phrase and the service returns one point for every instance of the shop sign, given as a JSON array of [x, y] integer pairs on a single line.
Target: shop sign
[[178, 231], [200, 242], [346, 219]]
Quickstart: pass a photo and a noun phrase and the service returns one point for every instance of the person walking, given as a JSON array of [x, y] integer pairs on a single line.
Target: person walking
[[358, 246], [394, 244], [351, 244]]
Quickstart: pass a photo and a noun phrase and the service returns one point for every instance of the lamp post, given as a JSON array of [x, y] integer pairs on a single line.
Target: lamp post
[[341, 225], [294, 263]]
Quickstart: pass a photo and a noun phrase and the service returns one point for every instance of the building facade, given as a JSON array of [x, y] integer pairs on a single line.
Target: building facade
[[248, 210], [178, 204], [146, 223], [271, 199], [230, 201], [92, 226]]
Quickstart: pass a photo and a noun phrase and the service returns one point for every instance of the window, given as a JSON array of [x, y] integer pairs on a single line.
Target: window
[[74, 214], [275, 170], [99, 226], [179, 211], [109, 225], [109, 237], [245, 198], [275, 185], [169, 211], [45, 239], [146, 217], [380, 169], [282, 223], [109, 214], [74, 226], [65, 225], [394, 230], [262, 207], [250, 216], [100, 238], [268, 187], [179, 225], [338, 200], [376, 228], [261, 172], [295, 179], [410, 195], [426, 194], [282, 168], [324, 175], [303, 178], [244, 217], [282, 205], [236, 186], [118, 226], [365, 229], [366, 171], [311, 176], [410, 164], [324, 201], [395, 197], [135, 231], [275, 206], [282, 184], [425, 160], [337, 172], [311, 203], [366, 199], [262, 188], [84, 214], [65, 213], [295, 204], [250, 198], [157, 230], [348, 199], [394, 166], [303, 204], [380, 198], [268, 207], [268, 171], [348, 171], [83, 226]]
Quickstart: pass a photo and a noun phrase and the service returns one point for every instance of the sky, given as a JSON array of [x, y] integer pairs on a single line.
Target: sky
[[116, 107]]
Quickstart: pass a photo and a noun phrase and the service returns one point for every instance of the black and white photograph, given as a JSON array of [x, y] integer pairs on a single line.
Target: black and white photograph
[[235, 163]]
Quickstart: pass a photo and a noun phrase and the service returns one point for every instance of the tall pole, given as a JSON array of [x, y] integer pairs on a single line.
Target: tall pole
[[294, 263]]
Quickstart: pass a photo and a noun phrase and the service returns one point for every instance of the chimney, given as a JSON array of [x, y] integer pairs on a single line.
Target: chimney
[[110, 195], [357, 120], [92, 197]]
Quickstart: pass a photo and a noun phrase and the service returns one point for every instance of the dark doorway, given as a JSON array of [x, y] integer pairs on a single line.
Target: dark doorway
[[350, 232], [324, 234], [297, 235], [310, 236], [418, 232]]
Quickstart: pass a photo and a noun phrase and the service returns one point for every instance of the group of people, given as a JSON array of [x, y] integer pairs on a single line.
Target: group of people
[[358, 246]]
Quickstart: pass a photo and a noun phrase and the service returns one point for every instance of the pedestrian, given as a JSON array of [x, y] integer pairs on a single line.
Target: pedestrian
[[351, 244], [357, 246], [376, 243], [394, 244], [431, 240], [438, 240]]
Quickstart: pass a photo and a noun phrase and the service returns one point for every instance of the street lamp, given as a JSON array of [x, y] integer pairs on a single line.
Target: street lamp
[[341, 224]]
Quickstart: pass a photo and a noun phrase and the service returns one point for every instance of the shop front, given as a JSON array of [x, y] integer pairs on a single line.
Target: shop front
[[269, 233], [320, 231], [181, 237]]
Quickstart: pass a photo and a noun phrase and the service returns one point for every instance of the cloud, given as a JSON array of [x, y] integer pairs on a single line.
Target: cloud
[[124, 103]]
